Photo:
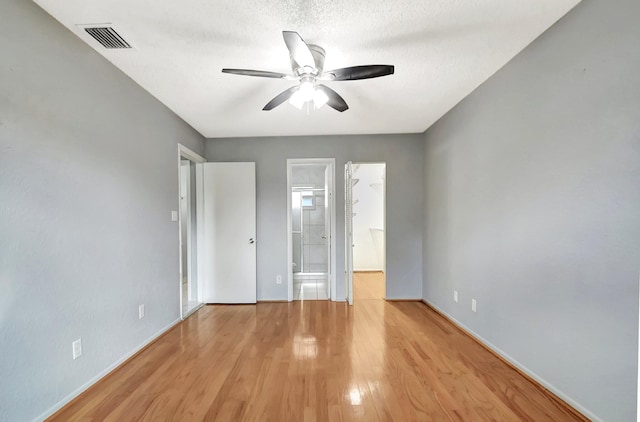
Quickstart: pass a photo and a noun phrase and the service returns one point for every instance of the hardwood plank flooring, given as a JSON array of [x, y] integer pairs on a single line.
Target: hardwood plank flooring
[[315, 361], [368, 285]]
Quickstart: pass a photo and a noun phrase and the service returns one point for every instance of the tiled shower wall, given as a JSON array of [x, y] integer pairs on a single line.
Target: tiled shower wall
[[314, 247]]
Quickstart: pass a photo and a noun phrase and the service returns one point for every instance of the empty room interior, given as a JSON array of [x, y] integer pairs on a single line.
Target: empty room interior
[[363, 210]]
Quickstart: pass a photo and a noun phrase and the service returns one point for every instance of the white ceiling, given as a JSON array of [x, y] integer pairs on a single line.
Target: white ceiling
[[442, 50]]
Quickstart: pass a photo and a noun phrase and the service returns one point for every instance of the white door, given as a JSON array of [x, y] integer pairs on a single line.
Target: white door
[[230, 233], [348, 229], [328, 197]]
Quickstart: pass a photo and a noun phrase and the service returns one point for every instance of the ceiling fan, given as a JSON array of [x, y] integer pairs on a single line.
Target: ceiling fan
[[307, 63]]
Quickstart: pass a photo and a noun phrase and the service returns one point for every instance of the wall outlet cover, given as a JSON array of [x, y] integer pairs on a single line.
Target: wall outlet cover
[[140, 311], [278, 279], [455, 296], [473, 305]]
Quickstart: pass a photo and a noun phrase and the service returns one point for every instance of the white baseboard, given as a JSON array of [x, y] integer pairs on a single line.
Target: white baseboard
[[53, 409], [191, 312], [518, 365]]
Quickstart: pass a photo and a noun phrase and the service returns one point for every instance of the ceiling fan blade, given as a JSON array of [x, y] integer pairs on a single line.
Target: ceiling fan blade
[[280, 98], [298, 49], [358, 72], [259, 73], [335, 100]]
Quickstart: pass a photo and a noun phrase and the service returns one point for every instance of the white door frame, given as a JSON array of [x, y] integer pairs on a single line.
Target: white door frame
[[186, 181], [331, 162], [186, 153], [349, 249]]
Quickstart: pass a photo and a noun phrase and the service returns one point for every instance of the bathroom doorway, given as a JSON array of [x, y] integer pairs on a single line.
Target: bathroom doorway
[[311, 212], [365, 247]]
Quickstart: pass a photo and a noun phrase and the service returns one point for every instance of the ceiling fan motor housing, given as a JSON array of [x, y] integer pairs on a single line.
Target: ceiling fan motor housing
[[318, 57]]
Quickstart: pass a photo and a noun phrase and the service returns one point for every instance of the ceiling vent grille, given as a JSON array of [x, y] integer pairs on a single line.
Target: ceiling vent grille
[[108, 37]]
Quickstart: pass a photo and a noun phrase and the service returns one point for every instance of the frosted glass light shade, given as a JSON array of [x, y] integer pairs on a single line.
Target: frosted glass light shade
[[296, 100], [307, 91], [319, 98]]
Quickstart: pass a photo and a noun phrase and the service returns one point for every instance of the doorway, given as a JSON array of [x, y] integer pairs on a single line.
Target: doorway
[[310, 213], [189, 180], [365, 230]]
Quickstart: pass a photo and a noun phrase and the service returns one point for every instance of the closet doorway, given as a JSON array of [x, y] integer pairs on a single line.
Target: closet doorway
[[365, 230], [310, 216]]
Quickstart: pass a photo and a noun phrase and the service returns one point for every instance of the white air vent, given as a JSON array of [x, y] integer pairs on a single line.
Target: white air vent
[[107, 36]]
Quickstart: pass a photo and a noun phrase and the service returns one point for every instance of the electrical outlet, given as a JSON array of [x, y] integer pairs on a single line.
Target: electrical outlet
[[141, 311], [473, 305], [278, 279], [174, 215], [455, 296], [76, 346]]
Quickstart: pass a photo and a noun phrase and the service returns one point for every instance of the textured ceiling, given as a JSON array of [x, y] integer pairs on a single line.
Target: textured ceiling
[[442, 50]]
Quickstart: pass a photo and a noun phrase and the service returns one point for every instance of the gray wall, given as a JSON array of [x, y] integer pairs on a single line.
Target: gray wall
[[88, 177], [404, 157], [532, 206]]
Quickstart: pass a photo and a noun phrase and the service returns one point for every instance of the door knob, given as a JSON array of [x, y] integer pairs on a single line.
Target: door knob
[[251, 240]]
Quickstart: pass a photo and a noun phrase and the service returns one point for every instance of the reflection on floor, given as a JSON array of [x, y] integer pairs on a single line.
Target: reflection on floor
[[310, 287], [368, 285]]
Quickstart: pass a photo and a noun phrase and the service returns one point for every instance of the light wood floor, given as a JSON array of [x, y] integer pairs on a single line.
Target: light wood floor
[[368, 286], [315, 361]]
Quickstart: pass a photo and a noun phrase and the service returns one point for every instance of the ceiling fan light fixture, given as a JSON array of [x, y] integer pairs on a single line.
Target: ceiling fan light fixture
[[307, 90], [296, 100], [320, 98]]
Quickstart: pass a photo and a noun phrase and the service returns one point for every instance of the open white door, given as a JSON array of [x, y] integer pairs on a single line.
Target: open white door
[[230, 233], [328, 197], [348, 230]]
